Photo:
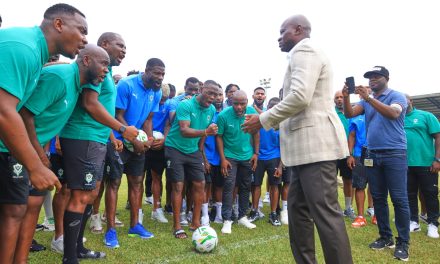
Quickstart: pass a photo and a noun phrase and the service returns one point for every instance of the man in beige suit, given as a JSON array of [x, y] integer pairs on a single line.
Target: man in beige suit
[[312, 140]]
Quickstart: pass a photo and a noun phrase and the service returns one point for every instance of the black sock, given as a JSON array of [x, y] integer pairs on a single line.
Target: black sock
[[72, 224], [79, 243]]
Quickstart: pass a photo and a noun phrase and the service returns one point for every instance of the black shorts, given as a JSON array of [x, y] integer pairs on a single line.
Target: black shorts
[[360, 178], [269, 166], [14, 181], [58, 166], [133, 163], [113, 165], [155, 161], [209, 176], [83, 163], [181, 166], [35, 192], [343, 168], [287, 174], [216, 176]]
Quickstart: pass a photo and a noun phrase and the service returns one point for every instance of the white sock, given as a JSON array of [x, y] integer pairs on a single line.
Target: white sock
[[218, 206], [48, 205], [183, 209], [347, 202], [284, 205], [205, 209]]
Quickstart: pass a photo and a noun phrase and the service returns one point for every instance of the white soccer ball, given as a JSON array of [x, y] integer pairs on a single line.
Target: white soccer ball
[[157, 135], [142, 137], [205, 239]]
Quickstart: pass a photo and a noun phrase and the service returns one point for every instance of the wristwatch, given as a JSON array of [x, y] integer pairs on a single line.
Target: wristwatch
[[122, 129], [437, 159]]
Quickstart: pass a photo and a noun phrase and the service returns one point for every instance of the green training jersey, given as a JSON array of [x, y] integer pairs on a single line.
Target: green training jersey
[[236, 143], [81, 125], [420, 127], [23, 52], [344, 121], [54, 99], [199, 118]]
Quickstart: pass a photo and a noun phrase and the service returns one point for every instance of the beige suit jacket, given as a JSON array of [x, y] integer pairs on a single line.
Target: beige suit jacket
[[310, 130]]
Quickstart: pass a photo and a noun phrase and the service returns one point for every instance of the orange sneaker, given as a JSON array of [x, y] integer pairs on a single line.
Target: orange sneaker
[[359, 222], [374, 220]]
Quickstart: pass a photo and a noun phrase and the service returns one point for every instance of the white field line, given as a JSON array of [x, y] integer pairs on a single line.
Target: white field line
[[220, 250]]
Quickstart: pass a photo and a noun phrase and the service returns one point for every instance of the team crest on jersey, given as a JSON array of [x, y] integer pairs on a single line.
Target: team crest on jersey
[[60, 172], [208, 118], [415, 121], [168, 164], [18, 169], [151, 98], [89, 178]]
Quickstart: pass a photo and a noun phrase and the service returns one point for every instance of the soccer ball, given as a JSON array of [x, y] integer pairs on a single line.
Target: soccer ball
[[157, 135], [204, 239], [142, 137]]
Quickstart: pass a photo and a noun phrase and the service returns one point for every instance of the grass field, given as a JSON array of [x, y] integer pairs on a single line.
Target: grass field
[[265, 244]]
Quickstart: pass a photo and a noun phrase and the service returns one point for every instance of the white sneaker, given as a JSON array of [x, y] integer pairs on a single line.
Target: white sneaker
[[266, 198], [49, 224], [432, 231], [226, 229], [205, 220], [57, 245], [284, 217], [149, 200], [118, 223], [370, 211], [159, 216], [414, 226], [183, 221], [260, 204], [95, 224], [244, 221]]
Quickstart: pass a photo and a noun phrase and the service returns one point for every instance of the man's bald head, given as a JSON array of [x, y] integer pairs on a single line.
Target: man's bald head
[[299, 20], [93, 62], [238, 95], [239, 102], [339, 100], [108, 37], [293, 30], [92, 50]]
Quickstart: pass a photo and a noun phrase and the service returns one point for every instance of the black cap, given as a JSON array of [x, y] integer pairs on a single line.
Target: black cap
[[381, 70]]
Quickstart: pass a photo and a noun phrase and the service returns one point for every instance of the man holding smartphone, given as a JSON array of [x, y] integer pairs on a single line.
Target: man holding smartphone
[[385, 161]]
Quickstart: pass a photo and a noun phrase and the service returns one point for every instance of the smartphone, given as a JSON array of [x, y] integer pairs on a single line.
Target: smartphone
[[350, 83]]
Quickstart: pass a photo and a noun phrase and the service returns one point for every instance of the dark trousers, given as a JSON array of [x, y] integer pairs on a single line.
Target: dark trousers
[[388, 175], [313, 200], [421, 178], [241, 175]]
